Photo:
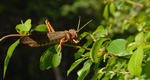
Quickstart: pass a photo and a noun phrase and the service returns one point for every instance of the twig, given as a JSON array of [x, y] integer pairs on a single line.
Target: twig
[[12, 35], [76, 46], [132, 2]]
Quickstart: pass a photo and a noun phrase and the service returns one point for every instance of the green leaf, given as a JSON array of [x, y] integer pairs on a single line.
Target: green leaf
[[105, 13], [147, 29], [146, 69], [97, 76], [24, 28], [96, 67], [99, 28], [126, 24], [112, 8], [100, 32], [9, 54], [82, 73], [77, 62], [81, 50], [139, 38], [134, 65], [96, 46], [131, 46], [117, 47], [147, 37], [41, 28], [83, 35], [50, 58], [130, 39], [105, 57], [28, 24]]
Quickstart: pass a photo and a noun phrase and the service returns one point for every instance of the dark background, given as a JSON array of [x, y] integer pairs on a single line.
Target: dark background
[[63, 15]]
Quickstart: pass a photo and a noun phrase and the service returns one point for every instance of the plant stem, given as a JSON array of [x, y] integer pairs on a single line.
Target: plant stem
[[12, 35]]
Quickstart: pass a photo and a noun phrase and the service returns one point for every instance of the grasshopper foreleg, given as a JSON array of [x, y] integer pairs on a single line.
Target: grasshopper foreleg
[[63, 40]]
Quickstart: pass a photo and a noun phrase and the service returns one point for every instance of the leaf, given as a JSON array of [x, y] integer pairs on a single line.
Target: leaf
[[8, 56], [100, 32], [83, 35], [131, 46], [41, 28], [105, 13], [81, 50], [147, 37], [96, 46], [119, 5], [24, 28], [134, 65], [125, 26], [82, 73], [50, 58], [105, 57], [99, 28], [96, 67], [139, 38], [117, 47], [146, 69], [147, 29], [112, 8], [77, 62], [28, 24], [130, 39]]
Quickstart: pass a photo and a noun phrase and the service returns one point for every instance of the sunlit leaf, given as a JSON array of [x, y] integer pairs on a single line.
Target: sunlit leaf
[[77, 62], [100, 32], [112, 8], [105, 13], [96, 46], [139, 38], [28, 24], [41, 28], [99, 28], [83, 35], [8, 56], [82, 73], [134, 65], [117, 47], [50, 58], [131, 46], [24, 28]]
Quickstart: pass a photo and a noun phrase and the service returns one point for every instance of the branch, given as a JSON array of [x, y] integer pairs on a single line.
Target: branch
[[12, 35]]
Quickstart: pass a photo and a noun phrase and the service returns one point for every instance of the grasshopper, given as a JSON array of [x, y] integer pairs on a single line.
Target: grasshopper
[[51, 37]]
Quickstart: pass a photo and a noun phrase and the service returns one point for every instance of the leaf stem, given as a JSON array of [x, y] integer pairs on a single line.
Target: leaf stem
[[12, 35]]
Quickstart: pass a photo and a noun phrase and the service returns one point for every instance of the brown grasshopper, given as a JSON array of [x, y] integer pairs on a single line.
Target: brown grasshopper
[[51, 37]]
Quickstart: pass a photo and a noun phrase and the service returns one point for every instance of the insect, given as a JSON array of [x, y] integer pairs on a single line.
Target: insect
[[51, 37]]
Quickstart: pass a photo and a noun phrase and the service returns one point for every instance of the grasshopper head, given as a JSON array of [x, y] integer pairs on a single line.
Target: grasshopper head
[[73, 33]]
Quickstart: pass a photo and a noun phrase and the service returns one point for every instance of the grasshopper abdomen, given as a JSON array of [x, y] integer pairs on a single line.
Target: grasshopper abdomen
[[37, 40]]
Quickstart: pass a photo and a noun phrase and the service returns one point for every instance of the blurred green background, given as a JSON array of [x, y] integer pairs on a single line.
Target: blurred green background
[[63, 15]]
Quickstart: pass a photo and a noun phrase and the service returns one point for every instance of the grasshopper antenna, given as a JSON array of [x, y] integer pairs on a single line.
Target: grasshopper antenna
[[79, 23], [84, 25]]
